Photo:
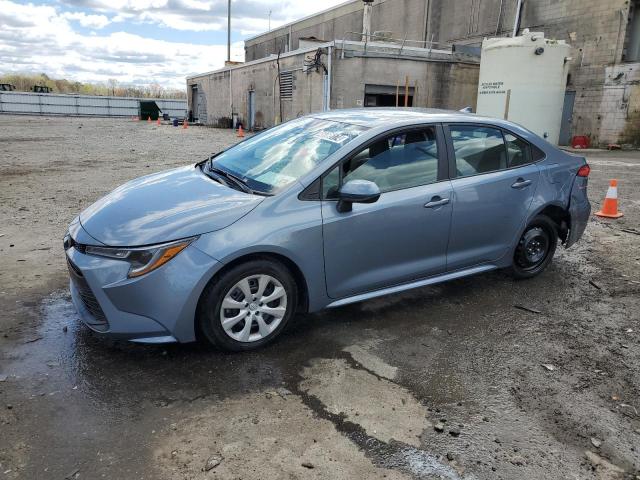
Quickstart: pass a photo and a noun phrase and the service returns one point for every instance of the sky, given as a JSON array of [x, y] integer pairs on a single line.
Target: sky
[[136, 42]]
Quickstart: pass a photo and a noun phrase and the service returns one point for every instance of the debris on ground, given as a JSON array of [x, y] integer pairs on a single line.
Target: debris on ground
[[73, 475], [454, 432], [596, 442], [548, 366], [213, 462], [607, 469], [308, 465], [439, 427], [527, 309], [594, 284], [32, 340]]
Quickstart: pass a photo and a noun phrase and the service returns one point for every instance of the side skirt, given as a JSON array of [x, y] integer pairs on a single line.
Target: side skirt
[[416, 284]]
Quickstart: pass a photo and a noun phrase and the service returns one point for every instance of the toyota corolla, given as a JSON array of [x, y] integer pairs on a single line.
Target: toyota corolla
[[322, 211]]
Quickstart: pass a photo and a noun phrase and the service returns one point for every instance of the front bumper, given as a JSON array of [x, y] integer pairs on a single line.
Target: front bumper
[[157, 307]]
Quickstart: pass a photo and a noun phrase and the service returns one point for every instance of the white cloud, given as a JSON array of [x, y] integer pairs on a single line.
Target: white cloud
[[208, 15], [127, 57], [88, 21], [42, 38]]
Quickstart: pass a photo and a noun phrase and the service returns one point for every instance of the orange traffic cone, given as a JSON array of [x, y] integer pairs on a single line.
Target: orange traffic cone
[[185, 124], [240, 132], [610, 206], [158, 122], [149, 119]]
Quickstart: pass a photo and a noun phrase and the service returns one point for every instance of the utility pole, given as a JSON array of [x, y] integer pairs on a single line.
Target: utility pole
[[269, 20], [229, 31]]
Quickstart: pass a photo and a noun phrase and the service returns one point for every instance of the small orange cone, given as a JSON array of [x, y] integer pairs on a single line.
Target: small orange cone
[[610, 206], [149, 119], [185, 124], [158, 122], [240, 132]]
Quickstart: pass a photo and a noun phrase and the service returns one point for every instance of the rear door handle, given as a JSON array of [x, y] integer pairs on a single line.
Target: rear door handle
[[436, 202], [521, 183]]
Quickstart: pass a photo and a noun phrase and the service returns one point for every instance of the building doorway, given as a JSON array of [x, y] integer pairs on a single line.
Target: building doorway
[[385, 96], [567, 118], [252, 110]]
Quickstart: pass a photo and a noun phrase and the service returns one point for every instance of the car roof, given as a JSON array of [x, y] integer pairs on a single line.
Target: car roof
[[390, 116]]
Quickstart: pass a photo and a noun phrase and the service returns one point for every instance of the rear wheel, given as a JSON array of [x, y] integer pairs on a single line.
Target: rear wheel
[[535, 249], [248, 306]]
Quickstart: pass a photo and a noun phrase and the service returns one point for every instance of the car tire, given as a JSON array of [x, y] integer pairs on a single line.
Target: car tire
[[535, 249], [235, 315]]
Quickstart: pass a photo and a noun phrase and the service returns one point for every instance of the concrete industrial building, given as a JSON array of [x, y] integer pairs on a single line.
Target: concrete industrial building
[[425, 40]]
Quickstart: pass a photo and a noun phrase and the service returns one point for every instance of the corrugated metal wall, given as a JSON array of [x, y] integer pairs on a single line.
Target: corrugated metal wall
[[83, 105]]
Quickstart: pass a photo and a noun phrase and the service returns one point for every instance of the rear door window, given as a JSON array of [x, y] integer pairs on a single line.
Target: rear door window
[[518, 150], [477, 149]]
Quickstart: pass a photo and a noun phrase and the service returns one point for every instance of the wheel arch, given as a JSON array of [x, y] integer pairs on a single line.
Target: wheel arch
[[287, 262], [560, 216]]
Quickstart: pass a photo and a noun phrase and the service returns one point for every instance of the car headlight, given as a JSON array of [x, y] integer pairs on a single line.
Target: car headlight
[[142, 259]]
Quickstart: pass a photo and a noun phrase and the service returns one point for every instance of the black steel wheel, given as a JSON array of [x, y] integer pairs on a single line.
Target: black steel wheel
[[535, 248]]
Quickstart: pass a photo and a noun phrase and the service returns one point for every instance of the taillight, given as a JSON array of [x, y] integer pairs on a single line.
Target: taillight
[[584, 170]]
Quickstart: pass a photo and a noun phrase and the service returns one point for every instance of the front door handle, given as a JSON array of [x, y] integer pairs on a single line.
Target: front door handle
[[436, 202], [521, 183]]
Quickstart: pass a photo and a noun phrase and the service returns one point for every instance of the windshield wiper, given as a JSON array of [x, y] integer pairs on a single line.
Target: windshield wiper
[[230, 176]]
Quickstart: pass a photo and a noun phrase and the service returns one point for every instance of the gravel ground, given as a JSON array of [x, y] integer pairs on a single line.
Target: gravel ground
[[450, 381]]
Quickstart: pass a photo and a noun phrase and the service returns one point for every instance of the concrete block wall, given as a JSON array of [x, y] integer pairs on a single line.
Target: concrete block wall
[[404, 18], [225, 98], [620, 104], [595, 29], [439, 84]]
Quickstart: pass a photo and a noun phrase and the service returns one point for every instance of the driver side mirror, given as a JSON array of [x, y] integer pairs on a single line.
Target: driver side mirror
[[357, 191]]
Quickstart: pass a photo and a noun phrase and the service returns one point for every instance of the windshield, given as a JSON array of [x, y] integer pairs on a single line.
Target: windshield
[[275, 158]]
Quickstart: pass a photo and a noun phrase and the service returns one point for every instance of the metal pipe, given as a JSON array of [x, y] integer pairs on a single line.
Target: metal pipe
[[406, 91], [329, 61], [427, 19], [499, 18], [231, 97], [366, 20], [516, 21], [229, 31]]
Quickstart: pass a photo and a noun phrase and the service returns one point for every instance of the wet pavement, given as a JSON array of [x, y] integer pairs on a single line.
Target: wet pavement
[[447, 381]]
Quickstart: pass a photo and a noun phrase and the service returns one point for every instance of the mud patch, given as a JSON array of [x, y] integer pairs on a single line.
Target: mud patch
[[385, 410], [265, 435]]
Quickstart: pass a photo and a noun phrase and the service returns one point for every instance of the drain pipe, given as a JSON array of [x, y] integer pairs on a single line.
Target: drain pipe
[[366, 19], [516, 22], [329, 61]]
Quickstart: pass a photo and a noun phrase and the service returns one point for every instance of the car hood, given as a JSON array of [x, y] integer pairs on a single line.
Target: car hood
[[165, 206]]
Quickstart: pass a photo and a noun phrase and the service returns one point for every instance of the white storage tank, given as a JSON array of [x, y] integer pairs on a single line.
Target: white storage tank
[[523, 79]]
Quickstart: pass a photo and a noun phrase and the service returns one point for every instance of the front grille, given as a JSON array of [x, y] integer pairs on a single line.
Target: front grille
[[99, 321]]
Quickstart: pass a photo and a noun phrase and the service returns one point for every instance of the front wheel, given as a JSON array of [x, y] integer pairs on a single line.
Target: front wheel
[[535, 248], [248, 306]]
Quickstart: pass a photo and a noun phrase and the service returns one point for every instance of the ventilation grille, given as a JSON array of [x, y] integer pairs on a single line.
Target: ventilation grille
[[286, 85]]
